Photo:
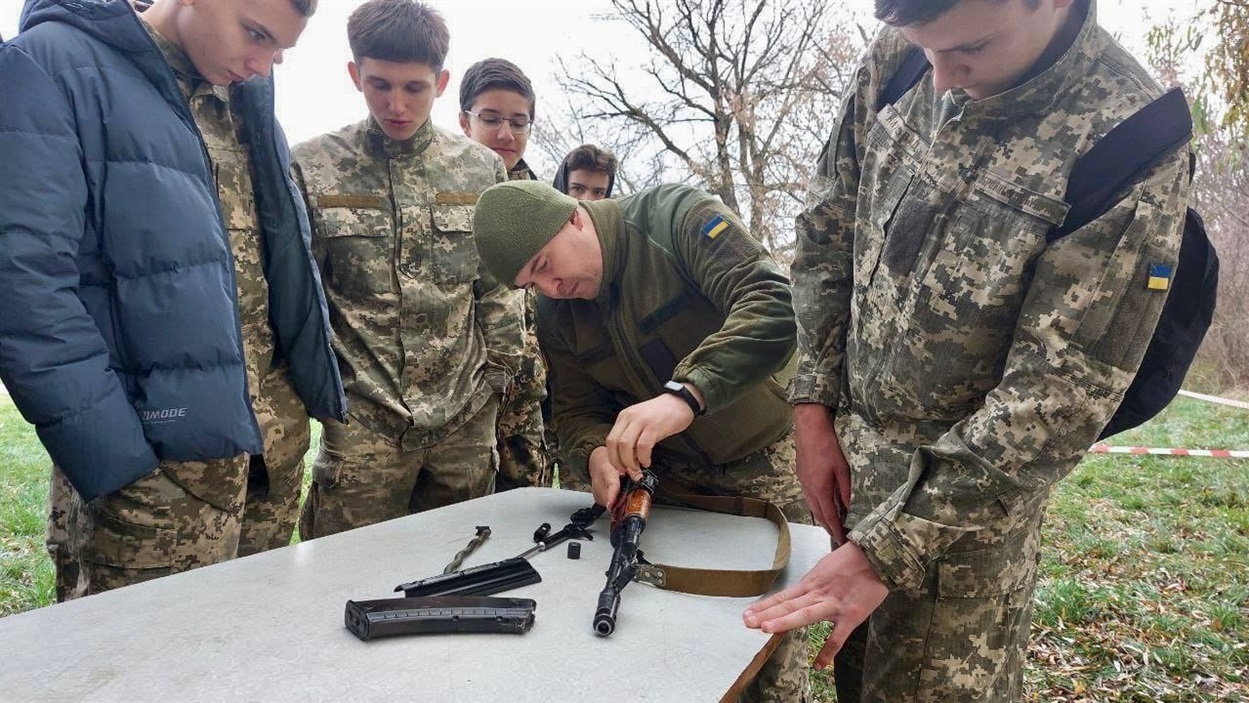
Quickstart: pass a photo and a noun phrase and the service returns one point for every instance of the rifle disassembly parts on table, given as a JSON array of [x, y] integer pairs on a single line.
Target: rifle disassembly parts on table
[[456, 600]]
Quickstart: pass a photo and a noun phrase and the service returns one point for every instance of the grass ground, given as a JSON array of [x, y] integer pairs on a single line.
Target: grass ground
[[1144, 587]]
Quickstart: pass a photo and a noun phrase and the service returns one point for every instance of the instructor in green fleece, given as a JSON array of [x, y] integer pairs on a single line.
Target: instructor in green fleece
[[669, 333]]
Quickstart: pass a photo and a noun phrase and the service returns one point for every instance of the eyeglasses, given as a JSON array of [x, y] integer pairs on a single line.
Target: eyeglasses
[[493, 122]]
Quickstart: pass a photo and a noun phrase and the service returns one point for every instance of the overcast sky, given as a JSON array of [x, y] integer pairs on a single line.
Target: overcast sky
[[315, 94]]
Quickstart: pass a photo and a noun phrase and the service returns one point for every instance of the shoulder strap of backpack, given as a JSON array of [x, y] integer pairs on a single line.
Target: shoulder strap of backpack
[[1120, 158], [911, 69]]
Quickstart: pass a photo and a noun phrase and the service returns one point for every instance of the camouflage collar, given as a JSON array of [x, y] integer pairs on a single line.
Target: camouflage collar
[[381, 145], [1042, 87], [188, 76], [521, 172]]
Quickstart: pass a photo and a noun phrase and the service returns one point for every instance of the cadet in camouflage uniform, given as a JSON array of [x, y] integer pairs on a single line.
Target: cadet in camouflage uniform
[[275, 478], [497, 110], [670, 336], [426, 339], [117, 516], [953, 365]]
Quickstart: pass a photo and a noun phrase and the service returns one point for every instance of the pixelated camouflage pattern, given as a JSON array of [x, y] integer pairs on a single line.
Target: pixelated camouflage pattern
[[424, 336], [521, 172], [275, 480], [361, 478], [970, 363], [153, 527], [524, 459], [786, 676]]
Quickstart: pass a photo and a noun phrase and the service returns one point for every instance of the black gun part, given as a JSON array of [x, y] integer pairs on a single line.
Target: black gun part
[[371, 619], [625, 537], [483, 580]]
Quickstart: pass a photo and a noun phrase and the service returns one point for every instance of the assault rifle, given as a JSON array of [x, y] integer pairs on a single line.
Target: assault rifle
[[626, 533]]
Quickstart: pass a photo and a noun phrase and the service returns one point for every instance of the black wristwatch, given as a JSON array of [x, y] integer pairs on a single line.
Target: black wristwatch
[[679, 389]]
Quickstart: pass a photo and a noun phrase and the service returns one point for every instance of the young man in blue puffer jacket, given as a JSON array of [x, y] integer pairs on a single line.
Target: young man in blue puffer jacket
[[156, 281]]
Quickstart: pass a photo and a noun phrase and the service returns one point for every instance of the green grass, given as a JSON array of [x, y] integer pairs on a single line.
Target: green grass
[[26, 578], [1144, 586]]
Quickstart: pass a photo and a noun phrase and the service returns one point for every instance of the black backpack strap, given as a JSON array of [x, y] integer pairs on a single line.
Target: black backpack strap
[[1123, 156], [912, 68]]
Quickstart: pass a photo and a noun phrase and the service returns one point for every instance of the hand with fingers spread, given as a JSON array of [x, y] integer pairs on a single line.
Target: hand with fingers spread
[[822, 468], [842, 588], [640, 427]]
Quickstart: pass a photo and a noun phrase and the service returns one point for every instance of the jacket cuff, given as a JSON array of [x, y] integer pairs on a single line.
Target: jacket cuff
[[898, 545], [824, 389]]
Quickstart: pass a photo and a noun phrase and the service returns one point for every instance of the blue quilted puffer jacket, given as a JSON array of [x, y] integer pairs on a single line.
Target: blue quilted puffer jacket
[[119, 325]]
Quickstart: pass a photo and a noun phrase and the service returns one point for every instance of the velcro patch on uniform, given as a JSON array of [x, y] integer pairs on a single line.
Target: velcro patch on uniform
[[1159, 277], [714, 227], [371, 202], [456, 198]]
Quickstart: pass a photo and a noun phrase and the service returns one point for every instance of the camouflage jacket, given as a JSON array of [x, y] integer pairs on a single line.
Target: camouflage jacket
[[687, 295], [530, 386], [424, 335], [971, 364]]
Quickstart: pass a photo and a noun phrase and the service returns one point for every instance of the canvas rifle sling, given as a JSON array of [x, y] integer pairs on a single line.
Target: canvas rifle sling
[[735, 583]]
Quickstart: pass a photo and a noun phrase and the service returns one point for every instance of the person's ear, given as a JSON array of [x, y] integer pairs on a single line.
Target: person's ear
[[354, 71]]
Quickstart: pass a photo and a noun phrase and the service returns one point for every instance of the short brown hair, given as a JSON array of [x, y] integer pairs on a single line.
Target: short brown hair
[[494, 74], [403, 31], [914, 13], [588, 157], [305, 7]]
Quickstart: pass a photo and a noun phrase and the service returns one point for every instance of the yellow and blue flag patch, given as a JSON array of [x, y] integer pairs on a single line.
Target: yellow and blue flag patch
[[1159, 277], [714, 227]]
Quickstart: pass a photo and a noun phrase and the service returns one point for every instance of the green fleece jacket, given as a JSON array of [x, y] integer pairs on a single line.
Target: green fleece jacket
[[687, 295]]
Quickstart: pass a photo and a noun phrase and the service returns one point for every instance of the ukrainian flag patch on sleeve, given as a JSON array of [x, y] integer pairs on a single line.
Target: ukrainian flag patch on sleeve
[[712, 229], [1159, 277]]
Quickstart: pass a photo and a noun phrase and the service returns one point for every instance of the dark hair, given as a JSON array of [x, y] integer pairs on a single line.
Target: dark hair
[[404, 31], [590, 158], [911, 13], [494, 74], [305, 7]]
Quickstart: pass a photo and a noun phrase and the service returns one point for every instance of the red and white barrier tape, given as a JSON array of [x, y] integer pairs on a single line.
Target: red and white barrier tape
[[1170, 451], [1215, 399]]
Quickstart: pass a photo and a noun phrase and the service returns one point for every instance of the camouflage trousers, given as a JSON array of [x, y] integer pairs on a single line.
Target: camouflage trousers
[[361, 478], [961, 638], [179, 517], [766, 474], [274, 480]]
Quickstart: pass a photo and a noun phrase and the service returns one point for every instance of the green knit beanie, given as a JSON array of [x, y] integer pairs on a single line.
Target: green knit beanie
[[513, 221]]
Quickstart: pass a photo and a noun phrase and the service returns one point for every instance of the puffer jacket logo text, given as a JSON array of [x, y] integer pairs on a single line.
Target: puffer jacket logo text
[[161, 416]]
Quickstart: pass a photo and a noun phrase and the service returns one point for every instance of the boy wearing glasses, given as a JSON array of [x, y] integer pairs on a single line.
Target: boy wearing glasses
[[497, 109], [427, 340]]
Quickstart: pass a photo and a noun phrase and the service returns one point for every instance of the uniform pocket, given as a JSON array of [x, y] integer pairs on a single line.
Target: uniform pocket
[[359, 244], [452, 250], [133, 527], [989, 573], [963, 305]]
